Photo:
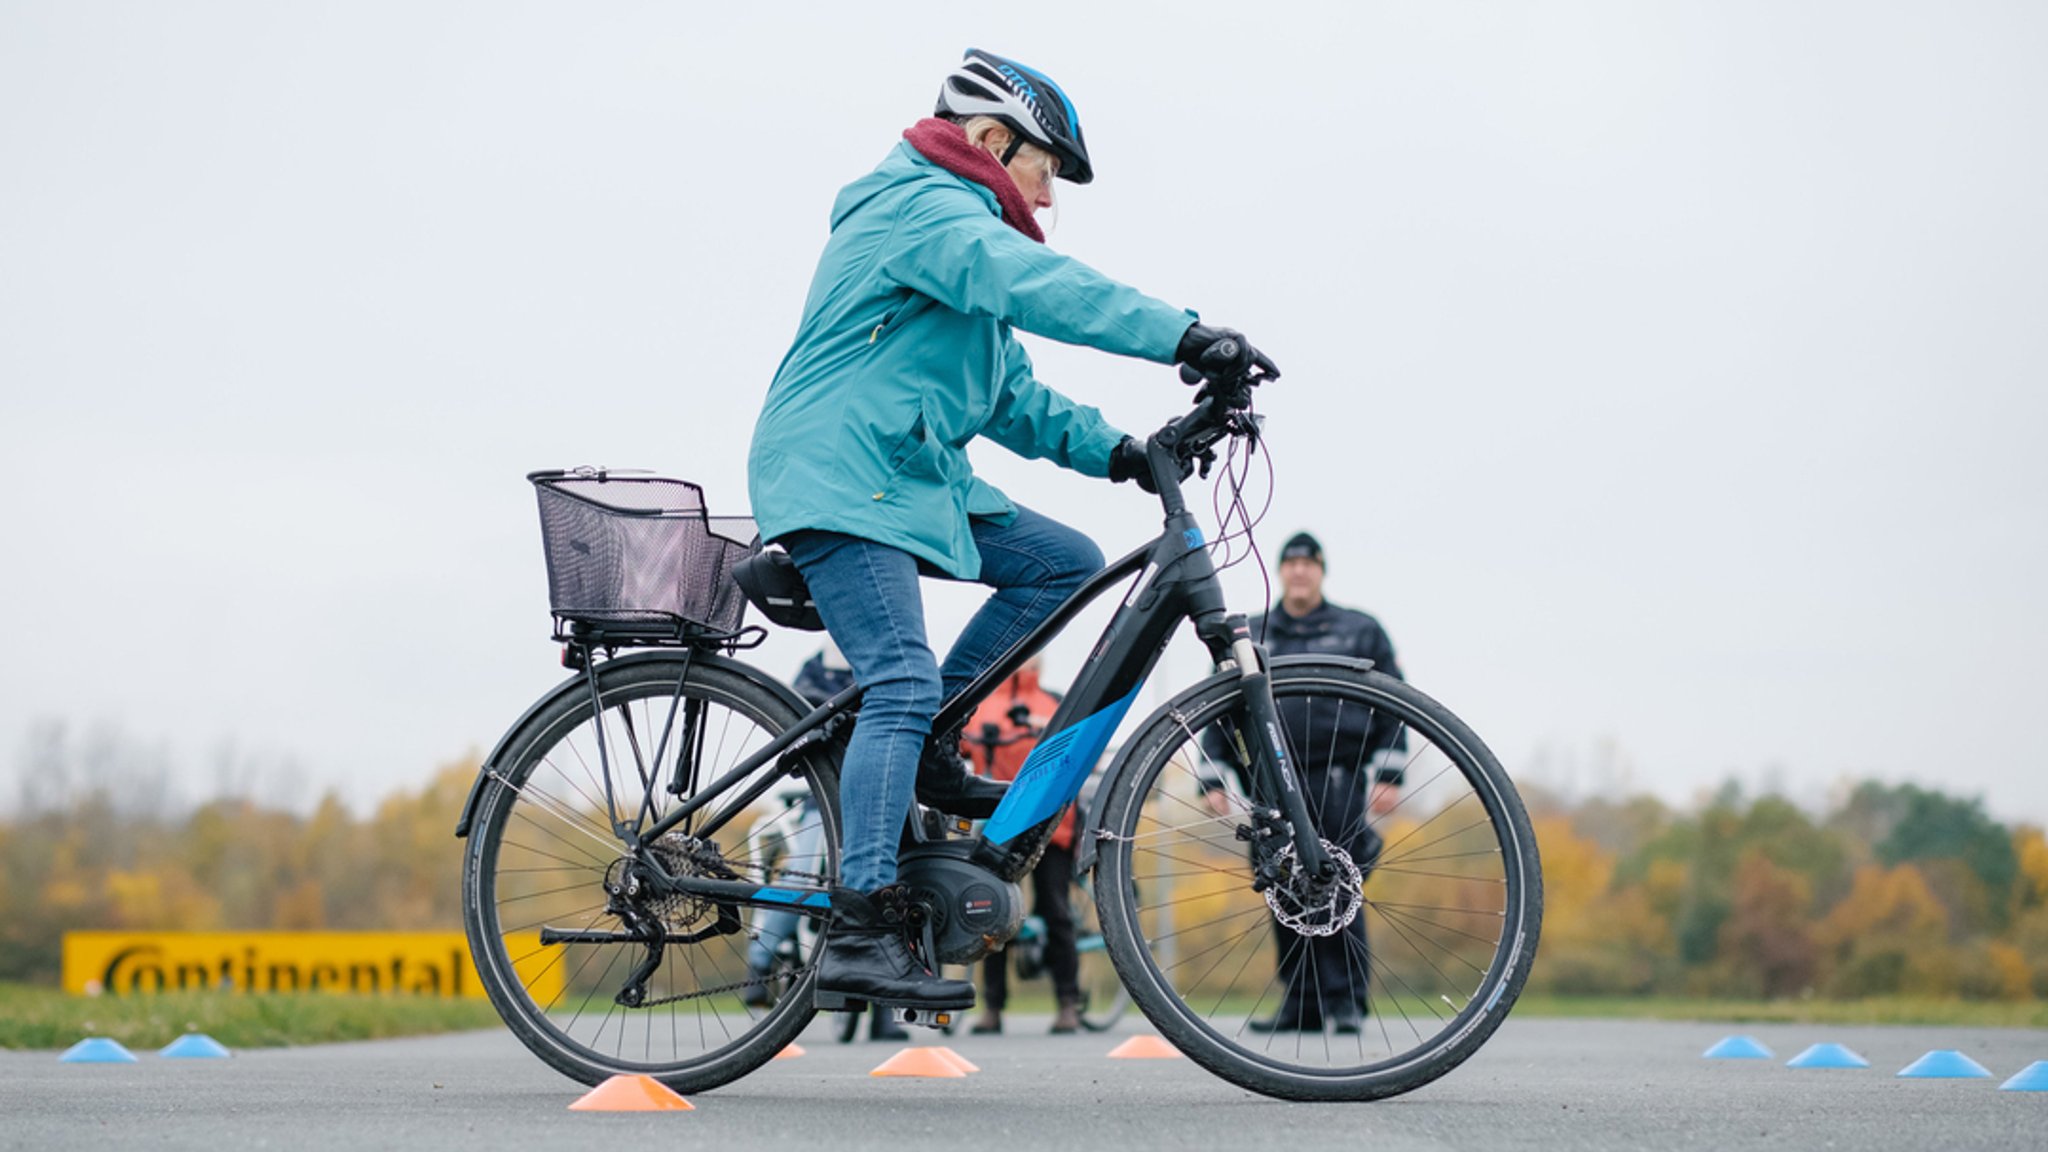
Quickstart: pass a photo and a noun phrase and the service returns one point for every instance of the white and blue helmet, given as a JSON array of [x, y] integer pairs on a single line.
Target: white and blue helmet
[[1023, 98]]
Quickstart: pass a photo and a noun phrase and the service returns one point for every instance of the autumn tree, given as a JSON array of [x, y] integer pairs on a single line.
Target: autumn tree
[[1766, 946], [1907, 824], [1887, 936], [1594, 938]]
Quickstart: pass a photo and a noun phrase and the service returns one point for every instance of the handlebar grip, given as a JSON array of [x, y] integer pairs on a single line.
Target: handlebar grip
[[1216, 361]]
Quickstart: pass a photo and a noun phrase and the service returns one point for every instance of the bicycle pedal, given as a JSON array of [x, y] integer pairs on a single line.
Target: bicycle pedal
[[925, 1017]]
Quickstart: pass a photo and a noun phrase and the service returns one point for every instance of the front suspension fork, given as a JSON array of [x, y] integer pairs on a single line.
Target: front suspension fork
[[1267, 747]]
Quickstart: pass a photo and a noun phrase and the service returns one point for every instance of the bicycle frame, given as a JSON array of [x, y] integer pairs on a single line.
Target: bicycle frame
[[1176, 581]]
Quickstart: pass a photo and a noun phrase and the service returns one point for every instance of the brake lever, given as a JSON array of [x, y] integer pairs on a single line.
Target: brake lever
[[1253, 427]]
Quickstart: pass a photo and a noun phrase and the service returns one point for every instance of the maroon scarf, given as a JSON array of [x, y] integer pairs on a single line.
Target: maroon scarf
[[945, 143]]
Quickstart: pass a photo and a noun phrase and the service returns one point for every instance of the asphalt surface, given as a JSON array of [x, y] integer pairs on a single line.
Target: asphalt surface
[[1538, 1084]]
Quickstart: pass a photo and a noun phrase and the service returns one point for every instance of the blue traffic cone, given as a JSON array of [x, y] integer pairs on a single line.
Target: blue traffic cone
[[1945, 1064], [195, 1046], [97, 1050], [2032, 1078], [1827, 1056], [1737, 1048]]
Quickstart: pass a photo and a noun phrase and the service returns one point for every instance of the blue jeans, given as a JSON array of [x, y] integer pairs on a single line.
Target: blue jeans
[[799, 851], [869, 598]]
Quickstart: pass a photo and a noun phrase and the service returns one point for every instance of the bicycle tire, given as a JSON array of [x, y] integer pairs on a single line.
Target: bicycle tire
[[541, 844], [1103, 998], [1428, 902]]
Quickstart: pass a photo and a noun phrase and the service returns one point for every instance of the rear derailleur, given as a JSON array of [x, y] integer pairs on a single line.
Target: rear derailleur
[[653, 913]]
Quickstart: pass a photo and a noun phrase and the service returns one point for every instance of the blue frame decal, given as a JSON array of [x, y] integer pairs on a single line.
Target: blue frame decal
[[1054, 772], [785, 896]]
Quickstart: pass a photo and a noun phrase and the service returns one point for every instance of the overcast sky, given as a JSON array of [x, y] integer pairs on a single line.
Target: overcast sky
[[1668, 378]]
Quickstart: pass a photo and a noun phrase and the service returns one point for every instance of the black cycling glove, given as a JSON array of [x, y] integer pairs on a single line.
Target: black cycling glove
[[1127, 462], [1221, 352]]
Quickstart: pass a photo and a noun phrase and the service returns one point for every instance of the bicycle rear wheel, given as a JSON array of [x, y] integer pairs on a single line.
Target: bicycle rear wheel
[[543, 846], [1394, 978]]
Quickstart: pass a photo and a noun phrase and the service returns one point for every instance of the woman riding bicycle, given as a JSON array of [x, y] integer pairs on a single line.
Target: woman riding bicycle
[[859, 469]]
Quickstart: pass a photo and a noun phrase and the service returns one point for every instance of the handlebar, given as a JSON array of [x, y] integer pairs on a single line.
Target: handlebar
[[1221, 410]]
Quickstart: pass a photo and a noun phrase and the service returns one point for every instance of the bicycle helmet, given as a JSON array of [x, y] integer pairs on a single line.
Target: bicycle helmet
[[1026, 100]]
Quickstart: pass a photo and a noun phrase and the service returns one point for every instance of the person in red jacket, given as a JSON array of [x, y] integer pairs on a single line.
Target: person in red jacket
[[998, 739]]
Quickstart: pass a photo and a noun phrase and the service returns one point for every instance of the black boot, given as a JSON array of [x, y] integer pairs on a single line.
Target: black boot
[[1290, 1018], [1068, 1020], [945, 782], [867, 956]]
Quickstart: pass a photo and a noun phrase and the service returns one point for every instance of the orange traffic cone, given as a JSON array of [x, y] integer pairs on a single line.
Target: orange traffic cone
[[632, 1094], [918, 1062], [1144, 1048], [790, 1053], [959, 1061]]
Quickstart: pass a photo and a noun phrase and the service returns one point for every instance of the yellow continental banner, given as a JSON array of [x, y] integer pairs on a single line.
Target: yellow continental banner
[[413, 963]]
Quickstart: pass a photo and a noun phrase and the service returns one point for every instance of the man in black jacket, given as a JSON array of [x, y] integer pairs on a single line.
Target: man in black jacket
[[1350, 767]]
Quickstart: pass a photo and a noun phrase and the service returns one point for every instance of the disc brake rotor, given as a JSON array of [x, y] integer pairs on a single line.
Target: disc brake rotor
[[1313, 909]]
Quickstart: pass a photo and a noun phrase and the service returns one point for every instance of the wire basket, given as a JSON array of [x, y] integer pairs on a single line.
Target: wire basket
[[638, 557]]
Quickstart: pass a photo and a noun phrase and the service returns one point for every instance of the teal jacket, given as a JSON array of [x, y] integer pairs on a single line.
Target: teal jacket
[[906, 353]]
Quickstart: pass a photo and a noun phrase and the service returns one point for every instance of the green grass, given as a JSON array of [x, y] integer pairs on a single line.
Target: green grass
[[1964, 1013], [32, 1017], [35, 1017]]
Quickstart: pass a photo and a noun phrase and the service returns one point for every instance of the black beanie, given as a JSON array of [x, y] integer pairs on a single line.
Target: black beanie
[[1302, 546]]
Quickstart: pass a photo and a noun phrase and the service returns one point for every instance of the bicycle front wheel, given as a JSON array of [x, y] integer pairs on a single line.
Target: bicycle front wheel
[[729, 987], [1103, 999], [1373, 989]]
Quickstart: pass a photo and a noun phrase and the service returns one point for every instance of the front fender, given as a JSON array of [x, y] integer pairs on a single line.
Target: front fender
[[1091, 822], [578, 683]]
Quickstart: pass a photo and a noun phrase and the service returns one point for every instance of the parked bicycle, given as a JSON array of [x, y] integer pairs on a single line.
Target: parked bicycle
[[609, 865]]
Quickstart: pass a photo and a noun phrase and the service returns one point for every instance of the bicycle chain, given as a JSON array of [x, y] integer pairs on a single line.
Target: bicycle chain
[[821, 880], [751, 982]]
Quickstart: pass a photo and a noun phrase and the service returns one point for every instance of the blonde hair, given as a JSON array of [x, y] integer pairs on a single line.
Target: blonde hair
[[981, 133]]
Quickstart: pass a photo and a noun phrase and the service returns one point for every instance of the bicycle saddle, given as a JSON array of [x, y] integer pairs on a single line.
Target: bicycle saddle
[[773, 584]]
